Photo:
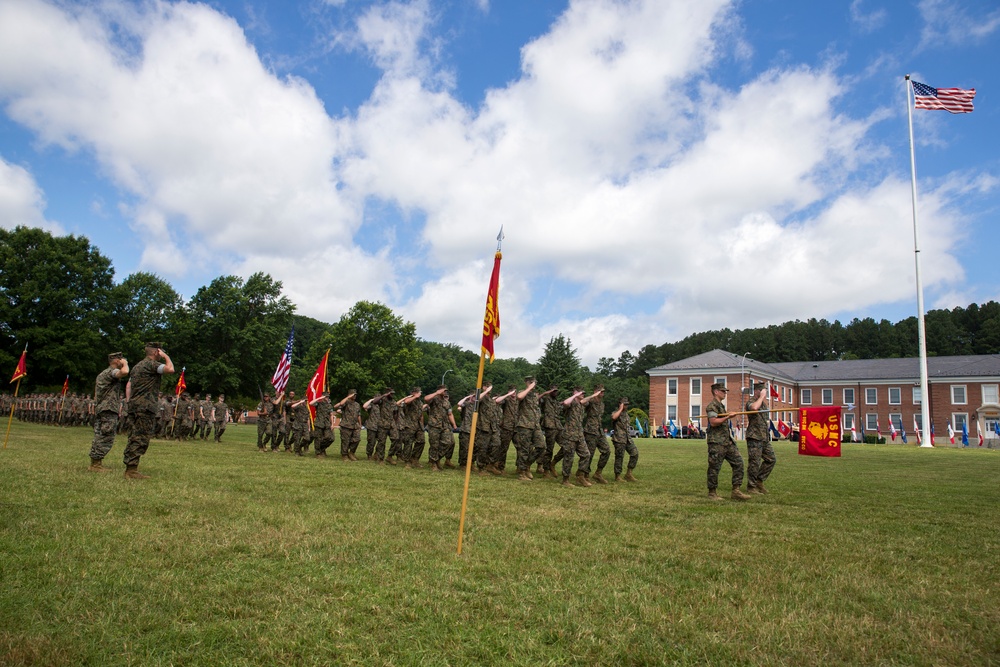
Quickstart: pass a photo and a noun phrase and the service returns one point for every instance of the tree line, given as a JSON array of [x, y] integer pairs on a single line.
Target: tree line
[[60, 296]]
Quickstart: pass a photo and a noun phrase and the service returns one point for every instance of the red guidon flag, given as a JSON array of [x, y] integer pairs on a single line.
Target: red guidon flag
[[317, 386], [181, 384], [65, 385], [491, 322], [820, 431], [21, 369]]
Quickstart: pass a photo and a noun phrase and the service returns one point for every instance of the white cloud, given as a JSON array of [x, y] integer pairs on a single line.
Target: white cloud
[[22, 202], [867, 21], [947, 21], [616, 164]]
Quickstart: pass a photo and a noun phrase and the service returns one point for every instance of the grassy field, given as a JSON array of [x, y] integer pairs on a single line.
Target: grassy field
[[888, 555]]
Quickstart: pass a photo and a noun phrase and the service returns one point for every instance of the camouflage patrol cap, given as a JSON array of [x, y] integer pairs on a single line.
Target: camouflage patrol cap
[[529, 379], [114, 355], [720, 386], [154, 345], [759, 385]]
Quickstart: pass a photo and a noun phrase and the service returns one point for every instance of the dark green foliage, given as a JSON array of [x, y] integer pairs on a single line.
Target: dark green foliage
[[559, 365]]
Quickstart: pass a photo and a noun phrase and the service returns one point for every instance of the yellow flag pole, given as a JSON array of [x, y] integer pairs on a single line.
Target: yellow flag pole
[[11, 418], [472, 444]]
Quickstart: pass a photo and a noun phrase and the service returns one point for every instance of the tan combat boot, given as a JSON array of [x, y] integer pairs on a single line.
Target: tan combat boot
[[448, 464], [760, 488], [713, 495], [96, 466], [566, 482], [132, 472], [523, 476], [581, 479], [738, 494], [618, 477], [629, 477], [599, 478]]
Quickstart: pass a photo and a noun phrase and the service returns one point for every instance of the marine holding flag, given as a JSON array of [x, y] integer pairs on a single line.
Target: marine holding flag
[[760, 453], [721, 446]]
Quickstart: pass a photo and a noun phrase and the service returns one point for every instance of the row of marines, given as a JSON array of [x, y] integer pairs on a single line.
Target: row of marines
[[535, 422]]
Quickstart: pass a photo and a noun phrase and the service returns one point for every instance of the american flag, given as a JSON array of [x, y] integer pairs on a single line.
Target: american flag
[[954, 100], [280, 378]]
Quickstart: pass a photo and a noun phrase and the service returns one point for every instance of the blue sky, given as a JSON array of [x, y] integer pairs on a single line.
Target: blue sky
[[659, 167]]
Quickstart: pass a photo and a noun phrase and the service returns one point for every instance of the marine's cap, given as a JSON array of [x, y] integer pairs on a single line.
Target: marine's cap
[[114, 355], [529, 379], [719, 386], [759, 385], [154, 345]]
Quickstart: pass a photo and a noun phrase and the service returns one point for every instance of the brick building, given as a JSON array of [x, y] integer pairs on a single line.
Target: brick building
[[963, 390]]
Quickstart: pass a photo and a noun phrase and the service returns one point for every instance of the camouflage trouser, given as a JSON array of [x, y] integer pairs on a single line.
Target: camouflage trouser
[[395, 443], [370, 437], [633, 455], [323, 436], [480, 449], [350, 438], [530, 444], [263, 434], [381, 435], [104, 434], [500, 458], [204, 428], [463, 445], [301, 438], [551, 435], [220, 428], [440, 439], [408, 438], [717, 453], [595, 442], [760, 461], [278, 433], [572, 446], [143, 424]]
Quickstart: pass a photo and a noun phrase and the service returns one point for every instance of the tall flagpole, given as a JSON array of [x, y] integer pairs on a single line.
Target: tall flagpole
[[490, 309], [925, 417], [19, 373]]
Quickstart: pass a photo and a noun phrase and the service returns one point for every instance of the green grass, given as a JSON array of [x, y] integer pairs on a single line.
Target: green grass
[[230, 557]]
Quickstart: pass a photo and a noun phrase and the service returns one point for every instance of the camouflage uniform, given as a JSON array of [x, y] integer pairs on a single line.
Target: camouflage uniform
[[439, 429], [528, 440], [145, 381], [108, 394], [465, 426], [721, 447], [487, 429], [594, 433], [301, 434], [508, 425], [551, 426], [573, 441], [760, 453], [623, 443], [411, 433], [350, 428], [204, 417], [221, 414], [322, 432], [371, 427], [263, 422]]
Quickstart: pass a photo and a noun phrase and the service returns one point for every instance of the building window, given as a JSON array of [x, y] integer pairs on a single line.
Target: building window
[[871, 421], [696, 386], [849, 396], [828, 397], [990, 394], [871, 396], [896, 420], [959, 419], [895, 396], [917, 396], [696, 414], [807, 397], [672, 412], [848, 421], [672, 387], [958, 394]]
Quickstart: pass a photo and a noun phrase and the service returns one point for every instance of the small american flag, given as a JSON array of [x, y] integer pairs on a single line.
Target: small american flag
[[280, 378], [954, 100]]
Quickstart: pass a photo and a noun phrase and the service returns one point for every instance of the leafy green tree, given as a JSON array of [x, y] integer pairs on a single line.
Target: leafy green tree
[[559, 365], [141, 308], [53, 291], [232, 334], [505, 372], [370, 348]]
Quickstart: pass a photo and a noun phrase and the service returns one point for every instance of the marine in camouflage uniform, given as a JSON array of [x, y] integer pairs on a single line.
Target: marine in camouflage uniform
[[508, 426], [322, 431], [264, 422], [528, 439], [301, 435], [108, 399], [144, 386], [573, 441], [185, 415], [622, 441], [440, 426], [220, 416], [551, 426], [410, 408], [279, 424], [487, 432], [593, 431], [760, 453], [466, 408], [372, 406], [350, 425], [721, 446], [205, 417], [386, 427]]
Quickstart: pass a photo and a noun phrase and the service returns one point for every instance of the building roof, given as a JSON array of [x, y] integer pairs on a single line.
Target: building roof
[[983, 365]]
